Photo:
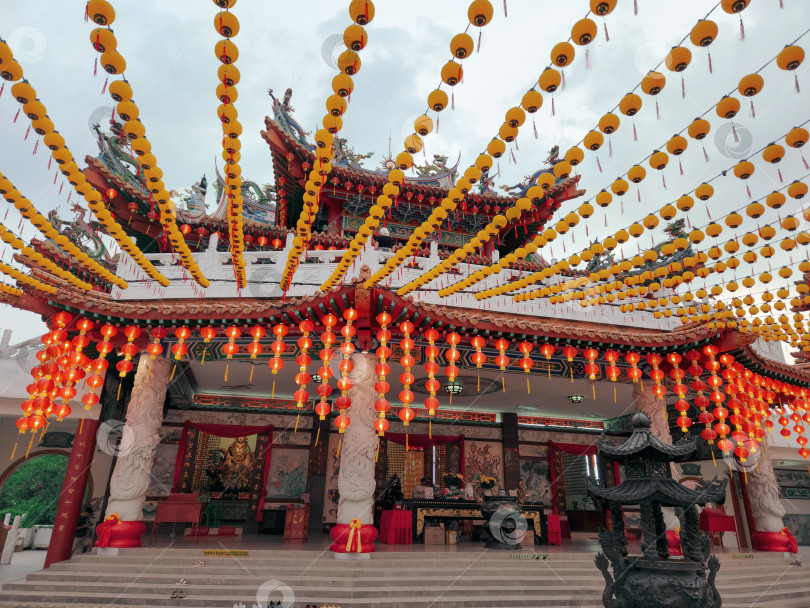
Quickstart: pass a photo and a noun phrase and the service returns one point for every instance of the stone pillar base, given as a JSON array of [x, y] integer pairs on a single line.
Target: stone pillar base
[[121, 535], [782, 542], [340, 534]]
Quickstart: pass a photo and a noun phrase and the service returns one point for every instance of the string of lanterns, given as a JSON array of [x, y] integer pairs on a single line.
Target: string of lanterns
[[227, 25], [795, 138], [35, 110], [104, 42], [480, 13], [562, 54], [16, 243], [355, 38]]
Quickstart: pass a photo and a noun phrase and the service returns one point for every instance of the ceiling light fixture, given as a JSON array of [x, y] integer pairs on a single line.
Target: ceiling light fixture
[[576, 398], [453, 388]]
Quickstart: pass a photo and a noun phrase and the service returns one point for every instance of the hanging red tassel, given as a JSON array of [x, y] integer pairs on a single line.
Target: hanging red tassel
[[552, 107], [504, 9], [638, 194], [748, 190], [607, 35], [779, 172], [635, 135], [95, 67], [563, 79], [805, 162], [588, 58], [452, 99], [534, 125], [742, 29], [705, 155], [710, 63], [2, 88], [734, 132], [598, 164], [27, 132], [104, 88], [517, 147], [657, 110], [17, 115], [478, 50], [512, 152], [610, 147], [635, 7], [796, 81], [36, 147], [438, 118], [664, 180], [753, 111], [683, 87], [680, 166]]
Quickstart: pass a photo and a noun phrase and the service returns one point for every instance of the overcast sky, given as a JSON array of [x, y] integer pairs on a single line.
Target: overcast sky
[[171, 65]]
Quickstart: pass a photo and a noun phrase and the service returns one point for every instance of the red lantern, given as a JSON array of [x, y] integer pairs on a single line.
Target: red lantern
[[182, 334], [525, 362], [407, 361], [502, 361], [479, 358], [547, 350], [302, 377], [62, 319], [344, 402], [452, 355], [277, 347], [155, 349], [129, 350], [383, 369], [325, 372], [432, 368]]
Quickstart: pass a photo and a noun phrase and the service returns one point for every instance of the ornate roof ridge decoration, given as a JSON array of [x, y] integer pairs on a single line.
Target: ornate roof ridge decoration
[[272, 127]]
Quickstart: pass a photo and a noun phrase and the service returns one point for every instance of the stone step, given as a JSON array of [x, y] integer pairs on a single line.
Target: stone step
[[728, 577]]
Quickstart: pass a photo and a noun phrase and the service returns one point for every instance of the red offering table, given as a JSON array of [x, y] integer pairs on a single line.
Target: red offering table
[[716, 522], [396, 527], [178, 508], [296, 525]]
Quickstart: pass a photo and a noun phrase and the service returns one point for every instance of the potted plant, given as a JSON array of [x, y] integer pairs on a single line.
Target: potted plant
[[453, 483], [487, 484]]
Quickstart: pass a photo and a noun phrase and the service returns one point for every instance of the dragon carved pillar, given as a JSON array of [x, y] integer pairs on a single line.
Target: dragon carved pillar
[[136, 452], [355, 533]]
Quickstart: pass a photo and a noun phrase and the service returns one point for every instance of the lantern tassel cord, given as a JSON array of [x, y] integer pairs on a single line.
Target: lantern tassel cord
[[318, 434], [503, 383], [528, 386], [118, 396], [250, 380], [478, 384], [174, 369], [44, 430], [430, 428], [713, 459], [273, 391], [377, 455], [227, 365], [572, 375], [340, 442], [614, 393], [297, 419], [593, 389], [14, 449], [30, 443], [205, 350]]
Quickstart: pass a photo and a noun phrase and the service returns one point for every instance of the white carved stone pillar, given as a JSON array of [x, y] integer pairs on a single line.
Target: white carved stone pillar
[[358, 451], [139, 440], [356, 482], [766, 507]]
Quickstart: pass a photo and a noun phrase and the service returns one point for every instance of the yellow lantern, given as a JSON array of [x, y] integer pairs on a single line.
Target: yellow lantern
[[355, 37], [583, 32], [653, 83], [562, 54], [228, 75], [349, 62], [677, 145], [630, 104], [515, 117], [797, 137], [790, 57], [461, 45], [361, 11], [336, 105], [593, 140], [678, 59], [562, 170], [636, 174], [603, 198], [226, 51], [226, 24], [113, 62], [496, 148], [744, 169], [797, 190], [619, 187], [659, 160], [602, 7], [343, 85], [704, 192], [609, 123], [480, 12], [574, 156], [437, 100], [100, 12], [775, 200], [703, 33], [507, 133], [750, 85], [727, 107], [734, 219], [452, 73], [546, 180], [532, 101], [549, 80]]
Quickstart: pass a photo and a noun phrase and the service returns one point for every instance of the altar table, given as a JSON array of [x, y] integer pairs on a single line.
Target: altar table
[[467, 509]]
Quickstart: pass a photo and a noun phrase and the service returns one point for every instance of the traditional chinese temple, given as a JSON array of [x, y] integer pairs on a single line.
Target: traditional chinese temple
[[316, 363]]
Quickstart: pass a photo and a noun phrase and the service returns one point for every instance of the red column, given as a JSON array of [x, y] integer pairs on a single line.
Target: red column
[[73, 490]]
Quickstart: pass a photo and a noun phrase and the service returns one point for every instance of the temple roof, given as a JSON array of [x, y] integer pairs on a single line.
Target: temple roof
[[668, 492], [643, 439]]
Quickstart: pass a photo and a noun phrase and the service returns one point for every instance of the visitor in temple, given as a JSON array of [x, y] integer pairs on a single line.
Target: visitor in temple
[[384, 241]]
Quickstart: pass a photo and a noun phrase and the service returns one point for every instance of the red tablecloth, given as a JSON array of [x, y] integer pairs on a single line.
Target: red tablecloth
[[396, 528]]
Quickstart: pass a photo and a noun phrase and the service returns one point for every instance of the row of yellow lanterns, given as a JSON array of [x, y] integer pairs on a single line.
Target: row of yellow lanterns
[[10, 291], [41, 223], [562, 54], [45, 263], [35, 110], [21, 277], [795, 138], [480, 13], [103, 41], [355, 38], [227, 25]]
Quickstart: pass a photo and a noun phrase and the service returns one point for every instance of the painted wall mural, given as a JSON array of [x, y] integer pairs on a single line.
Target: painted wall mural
[[288, 473], [534, 474], [483, 458]]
